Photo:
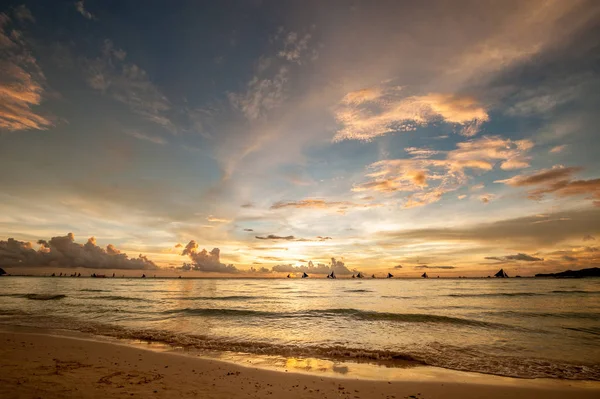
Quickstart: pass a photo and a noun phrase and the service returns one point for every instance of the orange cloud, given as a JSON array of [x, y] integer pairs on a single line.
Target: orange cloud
[[428, 179], [21, 87], [316, 203], [557, 181], [369, 113]]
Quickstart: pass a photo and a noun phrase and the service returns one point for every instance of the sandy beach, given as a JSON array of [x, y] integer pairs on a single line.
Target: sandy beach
[[49, 366]]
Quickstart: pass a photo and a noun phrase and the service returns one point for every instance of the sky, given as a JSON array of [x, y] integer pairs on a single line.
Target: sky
[[253, 137]]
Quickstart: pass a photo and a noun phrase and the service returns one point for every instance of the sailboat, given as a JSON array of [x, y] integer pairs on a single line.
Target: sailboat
[[353, 276], [304, 275], [332, 275], [501, 273], [390, 275], [373, 276], [288, 276], [424, 275], [360, 275]]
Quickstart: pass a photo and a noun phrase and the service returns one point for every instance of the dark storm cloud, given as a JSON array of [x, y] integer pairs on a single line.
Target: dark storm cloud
[[434, 267]]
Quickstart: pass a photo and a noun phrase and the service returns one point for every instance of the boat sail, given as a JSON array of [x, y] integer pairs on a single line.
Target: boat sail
[[390, 275], [373, 276], [501, 273], [331, 275], [360, 275], [304, 275], [424, 275]]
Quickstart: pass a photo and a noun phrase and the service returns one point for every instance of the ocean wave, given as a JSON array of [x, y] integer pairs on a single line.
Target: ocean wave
[[495, 294], [218, 298], [119, 298], [37, 297], [358, 291], [561, 315], [574, 292], [92, 290], [349, 313]]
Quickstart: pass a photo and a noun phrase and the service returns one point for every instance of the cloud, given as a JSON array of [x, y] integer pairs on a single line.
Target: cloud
[[214, 219], [398, 267], [428, 179], [147, 137], [296, 47], [558, 148], [292, 238], [23, 14], [262, 95], [420, 153], [63, 251], [128, 84], [518, 257], [336, 266], [541, 177], [205, 261], [434, 267], [522, 231], [557, 181], [486, 198], [373, 112], [317, 203], [22, 83], [248, 229], [81, 9], [589, 238], [275, 237]]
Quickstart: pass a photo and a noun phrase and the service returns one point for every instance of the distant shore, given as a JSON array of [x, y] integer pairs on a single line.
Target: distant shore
[[49, 366]]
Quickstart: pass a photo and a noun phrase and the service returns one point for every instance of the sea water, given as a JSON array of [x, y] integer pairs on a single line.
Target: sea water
[[528, 328]]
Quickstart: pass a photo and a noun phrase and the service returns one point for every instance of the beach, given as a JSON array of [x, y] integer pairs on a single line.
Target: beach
[[50, 366]]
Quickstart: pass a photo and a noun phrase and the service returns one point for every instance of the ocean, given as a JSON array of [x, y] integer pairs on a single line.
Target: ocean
[[525, 328]]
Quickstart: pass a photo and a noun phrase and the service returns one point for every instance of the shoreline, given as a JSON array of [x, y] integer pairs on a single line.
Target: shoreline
[[50, 365]]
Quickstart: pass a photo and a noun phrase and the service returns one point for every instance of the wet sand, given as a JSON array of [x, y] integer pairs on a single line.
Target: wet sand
[[49, 366]]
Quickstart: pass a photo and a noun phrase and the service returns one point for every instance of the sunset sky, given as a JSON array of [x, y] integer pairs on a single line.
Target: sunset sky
[[449, 137]]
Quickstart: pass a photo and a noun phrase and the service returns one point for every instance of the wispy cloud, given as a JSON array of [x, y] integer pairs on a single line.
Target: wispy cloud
[[518, 257], [22, 83], [317, 203], [80, 7], [128, 84], [144, 136]]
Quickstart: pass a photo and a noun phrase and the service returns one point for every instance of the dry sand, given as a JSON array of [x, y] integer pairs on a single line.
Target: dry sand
[[48, 366]]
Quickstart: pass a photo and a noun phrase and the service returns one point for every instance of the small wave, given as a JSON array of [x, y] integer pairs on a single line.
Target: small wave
[[561, 315], [120, 298], [495, 294], [350, 313], [219, 312], [92, 290], [358, 291], [44, 297], [591, 330], [218, 298], [574, 292]]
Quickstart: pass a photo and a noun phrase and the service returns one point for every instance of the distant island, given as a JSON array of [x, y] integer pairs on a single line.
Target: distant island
[[591, 272]]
